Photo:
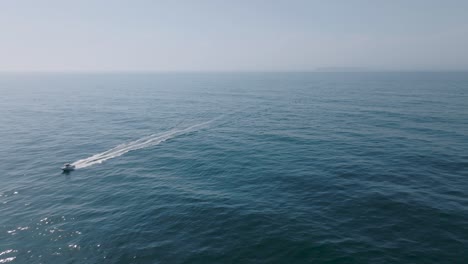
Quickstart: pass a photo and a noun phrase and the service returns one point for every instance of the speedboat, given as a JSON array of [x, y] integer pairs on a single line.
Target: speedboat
[[68, 167]]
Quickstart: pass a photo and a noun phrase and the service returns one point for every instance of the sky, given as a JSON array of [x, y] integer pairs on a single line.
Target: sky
[[235, 35]]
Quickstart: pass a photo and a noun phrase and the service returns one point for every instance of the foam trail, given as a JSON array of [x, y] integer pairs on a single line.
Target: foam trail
[[145, 142]]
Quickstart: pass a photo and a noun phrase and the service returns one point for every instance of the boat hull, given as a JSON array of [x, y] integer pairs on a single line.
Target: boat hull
[[68, 169]]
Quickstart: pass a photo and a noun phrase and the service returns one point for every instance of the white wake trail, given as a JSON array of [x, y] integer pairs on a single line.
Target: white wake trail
[[145, 142]]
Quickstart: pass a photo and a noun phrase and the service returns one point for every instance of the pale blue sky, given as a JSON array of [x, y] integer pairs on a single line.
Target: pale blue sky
[[236, 35]]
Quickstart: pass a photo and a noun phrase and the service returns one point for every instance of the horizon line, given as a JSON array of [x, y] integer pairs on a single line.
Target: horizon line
[[232, 71]]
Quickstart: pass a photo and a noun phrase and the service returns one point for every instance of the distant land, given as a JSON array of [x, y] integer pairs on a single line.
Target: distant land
[[364, 69], [344, 69]]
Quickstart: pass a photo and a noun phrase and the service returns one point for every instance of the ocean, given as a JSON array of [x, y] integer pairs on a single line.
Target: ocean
[[234, 167]]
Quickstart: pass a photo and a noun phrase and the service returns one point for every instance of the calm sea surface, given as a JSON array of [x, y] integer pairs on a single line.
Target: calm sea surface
[[234, 168]]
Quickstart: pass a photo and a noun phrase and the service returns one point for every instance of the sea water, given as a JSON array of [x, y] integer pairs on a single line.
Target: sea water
[[234, 168]]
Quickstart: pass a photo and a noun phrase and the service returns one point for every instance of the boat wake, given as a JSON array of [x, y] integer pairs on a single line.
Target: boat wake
[[145, 142]]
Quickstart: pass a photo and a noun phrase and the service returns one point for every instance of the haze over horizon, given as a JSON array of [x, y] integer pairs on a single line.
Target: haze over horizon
[[210, 35]]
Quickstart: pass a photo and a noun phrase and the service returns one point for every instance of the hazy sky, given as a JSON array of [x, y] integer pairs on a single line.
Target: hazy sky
[[245, 35]]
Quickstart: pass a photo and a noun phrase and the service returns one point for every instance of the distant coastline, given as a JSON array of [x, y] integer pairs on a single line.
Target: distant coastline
[[345, 69]]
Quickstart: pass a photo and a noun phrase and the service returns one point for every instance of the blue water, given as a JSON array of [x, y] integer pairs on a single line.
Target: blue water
[[234, 168]]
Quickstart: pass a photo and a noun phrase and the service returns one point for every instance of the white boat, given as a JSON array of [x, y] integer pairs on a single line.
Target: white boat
[[68, 167]]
